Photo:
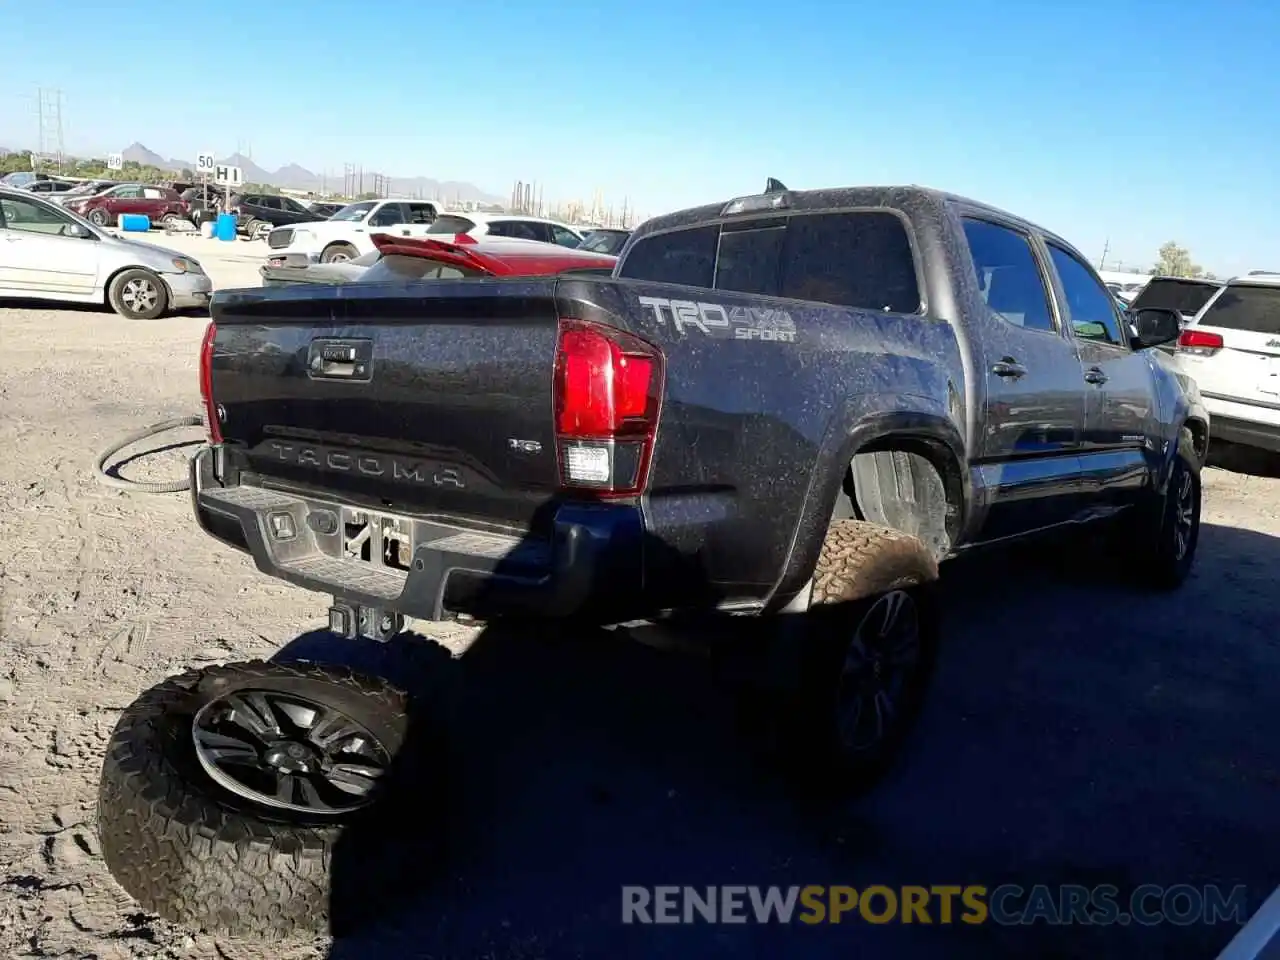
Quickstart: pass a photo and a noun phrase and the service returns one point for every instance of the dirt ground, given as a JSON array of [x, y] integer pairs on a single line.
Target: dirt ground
[[1079, 732]]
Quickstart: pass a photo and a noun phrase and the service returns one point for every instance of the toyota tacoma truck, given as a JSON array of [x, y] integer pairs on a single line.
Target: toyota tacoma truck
[[786, 409], [767, 399]]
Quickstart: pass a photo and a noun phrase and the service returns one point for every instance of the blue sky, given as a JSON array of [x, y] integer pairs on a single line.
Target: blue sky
[[1136, 122]]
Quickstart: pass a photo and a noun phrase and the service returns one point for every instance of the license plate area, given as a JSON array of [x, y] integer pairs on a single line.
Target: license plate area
[[377, 539]]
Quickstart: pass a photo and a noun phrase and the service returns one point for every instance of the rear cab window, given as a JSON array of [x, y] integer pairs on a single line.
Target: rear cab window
[[861, 259]]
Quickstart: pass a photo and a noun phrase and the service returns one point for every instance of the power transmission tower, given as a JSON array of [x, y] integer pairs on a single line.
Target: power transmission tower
[[49, 109], [348, 179]]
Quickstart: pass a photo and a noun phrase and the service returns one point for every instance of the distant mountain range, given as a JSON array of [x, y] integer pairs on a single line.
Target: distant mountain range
[[294, 177]]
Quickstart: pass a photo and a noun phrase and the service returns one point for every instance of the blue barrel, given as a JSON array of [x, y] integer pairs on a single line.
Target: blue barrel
[[135, 222], [224, 228]]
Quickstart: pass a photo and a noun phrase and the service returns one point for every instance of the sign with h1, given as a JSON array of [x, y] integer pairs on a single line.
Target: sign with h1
[[229, 176]]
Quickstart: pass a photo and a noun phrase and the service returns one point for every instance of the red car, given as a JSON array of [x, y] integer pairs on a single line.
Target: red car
[[161, 204], [437, 258]]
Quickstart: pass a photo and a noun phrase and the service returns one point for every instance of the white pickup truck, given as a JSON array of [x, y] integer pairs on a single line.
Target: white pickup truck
[[345, 235]]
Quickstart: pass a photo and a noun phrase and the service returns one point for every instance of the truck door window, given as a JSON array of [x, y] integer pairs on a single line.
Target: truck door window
[[686, 257], [1008, 276], [388, 215], [1092, 309]]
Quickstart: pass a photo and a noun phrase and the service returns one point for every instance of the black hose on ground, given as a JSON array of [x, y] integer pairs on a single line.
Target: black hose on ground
[[139, 486]]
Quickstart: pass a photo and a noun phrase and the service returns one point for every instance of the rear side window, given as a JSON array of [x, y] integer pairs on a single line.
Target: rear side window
[[1246, 307], [1184, 296], [449, 224], [520, 230], [421, 213], [861, 260]]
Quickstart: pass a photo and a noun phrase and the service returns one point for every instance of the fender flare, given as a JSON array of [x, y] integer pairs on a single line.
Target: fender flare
[[861, 422]]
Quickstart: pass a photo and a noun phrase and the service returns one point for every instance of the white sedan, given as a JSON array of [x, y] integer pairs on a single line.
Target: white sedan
[[48, 253]]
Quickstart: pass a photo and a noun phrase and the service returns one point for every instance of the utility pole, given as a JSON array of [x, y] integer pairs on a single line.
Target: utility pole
[[1102, 264]]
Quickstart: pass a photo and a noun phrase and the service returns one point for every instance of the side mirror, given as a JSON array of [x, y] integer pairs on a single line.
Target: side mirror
[[1153, 326], [80, 232]]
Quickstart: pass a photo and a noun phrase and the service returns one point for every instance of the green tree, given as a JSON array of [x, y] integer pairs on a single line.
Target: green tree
[[15, 162], [1175, 261]]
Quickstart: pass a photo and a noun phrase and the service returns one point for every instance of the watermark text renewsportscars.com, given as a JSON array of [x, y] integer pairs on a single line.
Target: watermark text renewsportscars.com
[[1005, 905]]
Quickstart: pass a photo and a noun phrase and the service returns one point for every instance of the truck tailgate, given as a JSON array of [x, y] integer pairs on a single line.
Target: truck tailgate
[[428, 397]]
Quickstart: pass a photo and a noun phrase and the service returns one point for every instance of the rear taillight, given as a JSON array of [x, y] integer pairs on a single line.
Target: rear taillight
[[206, 384], [1199, 343], [608, 388]]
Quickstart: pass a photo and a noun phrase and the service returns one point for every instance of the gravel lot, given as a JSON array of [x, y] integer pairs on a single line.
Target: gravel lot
[[1079, 732]]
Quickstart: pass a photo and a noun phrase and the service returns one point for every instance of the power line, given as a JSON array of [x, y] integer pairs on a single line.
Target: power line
[[50, 144]]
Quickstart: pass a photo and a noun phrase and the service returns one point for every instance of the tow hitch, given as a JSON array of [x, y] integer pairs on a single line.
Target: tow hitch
[[351, 621]]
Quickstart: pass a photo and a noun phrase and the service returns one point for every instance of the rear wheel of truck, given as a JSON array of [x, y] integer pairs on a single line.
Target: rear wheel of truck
[[224, 792], [1158, 539], [866, 649], [338, 253]]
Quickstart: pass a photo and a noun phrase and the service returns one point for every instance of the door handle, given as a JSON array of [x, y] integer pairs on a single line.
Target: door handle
[[1094, 375], [1009, 367]]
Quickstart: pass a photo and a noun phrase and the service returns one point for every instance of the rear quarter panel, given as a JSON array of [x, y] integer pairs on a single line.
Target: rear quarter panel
[[760, 416]]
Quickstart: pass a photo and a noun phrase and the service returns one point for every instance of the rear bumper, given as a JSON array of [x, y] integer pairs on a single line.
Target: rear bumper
[[1264, 436], [589, 565], [1250, 424]]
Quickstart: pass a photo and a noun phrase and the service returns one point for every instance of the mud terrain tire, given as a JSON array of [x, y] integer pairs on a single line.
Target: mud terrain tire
[[197, 854], [872, 625]]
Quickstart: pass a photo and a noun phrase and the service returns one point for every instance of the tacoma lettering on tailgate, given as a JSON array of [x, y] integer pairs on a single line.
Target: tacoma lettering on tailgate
[[366, 464]]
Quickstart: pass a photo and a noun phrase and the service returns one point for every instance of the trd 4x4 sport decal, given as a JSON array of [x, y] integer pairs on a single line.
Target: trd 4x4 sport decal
[[716, 320]]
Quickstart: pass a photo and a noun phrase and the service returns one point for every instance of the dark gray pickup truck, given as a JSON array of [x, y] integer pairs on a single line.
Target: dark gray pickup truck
[[767, 394], [789, 407]]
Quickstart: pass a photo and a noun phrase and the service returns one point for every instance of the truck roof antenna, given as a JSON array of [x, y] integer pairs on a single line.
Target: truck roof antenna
[[774, 186]]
